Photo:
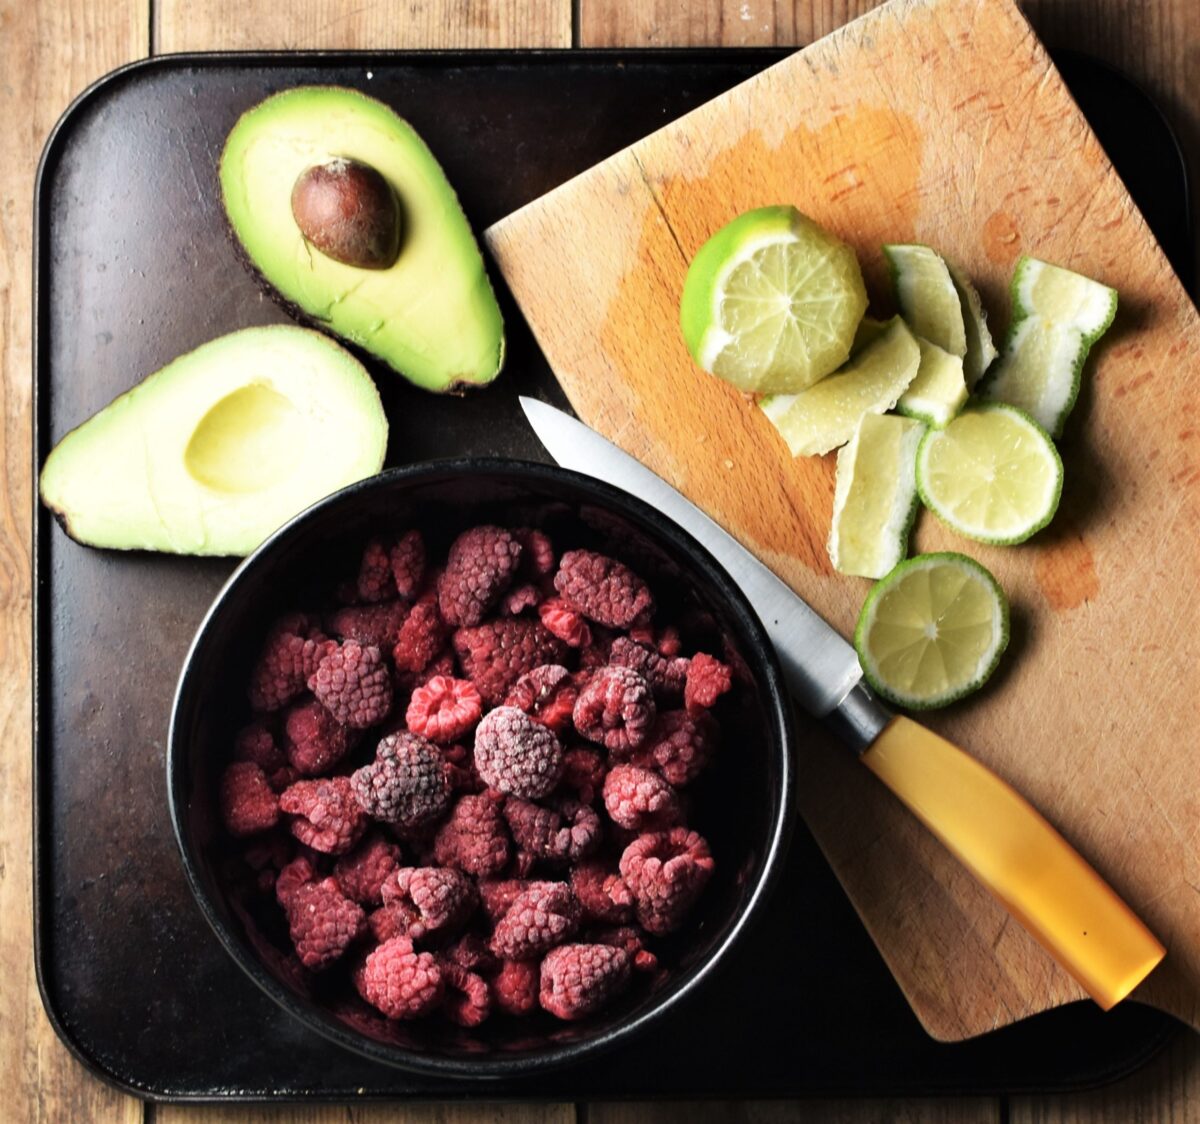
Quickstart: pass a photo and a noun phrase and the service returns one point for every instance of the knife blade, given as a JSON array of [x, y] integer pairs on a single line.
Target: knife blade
[[989, 827]]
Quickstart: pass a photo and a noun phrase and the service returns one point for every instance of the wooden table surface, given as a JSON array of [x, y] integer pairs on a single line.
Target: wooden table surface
[[49, 51]]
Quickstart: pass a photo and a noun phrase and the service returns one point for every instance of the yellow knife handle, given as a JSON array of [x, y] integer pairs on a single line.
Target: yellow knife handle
[[1007, 844]]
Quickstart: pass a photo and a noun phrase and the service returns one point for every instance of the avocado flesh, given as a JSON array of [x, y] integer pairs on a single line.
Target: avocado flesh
[[219, 448], [432, 315]]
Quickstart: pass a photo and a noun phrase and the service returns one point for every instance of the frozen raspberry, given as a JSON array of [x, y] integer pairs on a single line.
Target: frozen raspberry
[[473, 839], [299, 872], [468, 1001], [248, 802], [537, 920], [567, 833], [461, 773], [325, 814], [375, 582], [496, 654], [442, 899], [665, 676], [323, 922], [444, 708], [665, 641], [639, 799], [289, 656], [537, 552], [390, 921], [515, 754], [515, 987], [313, 740], [578, 979], [679, 746], [353, 684], [256, 743], [497, 895], [707, 680], [408, 563], [369, 625], [627, 937], [615, 709], [362, 873], [602, 589], [517, 600], [666, 871], [409, 681], [547, 694], [602, 893], [479, 568], [596, 654], [401, 983], [406, 784], [471, 952], [422, 635], [584, 770], [564, 622]]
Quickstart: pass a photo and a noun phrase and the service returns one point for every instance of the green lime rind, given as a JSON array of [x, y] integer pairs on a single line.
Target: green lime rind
[[868, 615], [981, 350], [938, 392], [1036, 523], [927, 296]]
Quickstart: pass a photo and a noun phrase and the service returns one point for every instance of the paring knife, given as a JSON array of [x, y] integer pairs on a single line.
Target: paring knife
[[991, 829]]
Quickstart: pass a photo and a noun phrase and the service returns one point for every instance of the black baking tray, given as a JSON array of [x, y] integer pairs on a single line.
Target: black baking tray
[[133, 267]]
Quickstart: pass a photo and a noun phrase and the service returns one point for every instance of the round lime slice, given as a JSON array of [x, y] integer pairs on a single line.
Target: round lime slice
[[771, 302], [932, 630]]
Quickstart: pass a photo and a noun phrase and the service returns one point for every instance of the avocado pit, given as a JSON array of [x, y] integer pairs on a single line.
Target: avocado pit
[[349, 212]]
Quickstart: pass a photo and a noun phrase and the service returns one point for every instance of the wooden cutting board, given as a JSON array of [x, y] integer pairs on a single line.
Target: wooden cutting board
[[941, 121]]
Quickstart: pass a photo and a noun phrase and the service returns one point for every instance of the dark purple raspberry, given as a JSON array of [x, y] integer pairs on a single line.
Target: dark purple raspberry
[[362, 873], [353, 684], [422, 636], [480, 567], [567, 833], [371, 625], [537, 920], [602, 589], [408, 563], [639, 799], [666, 871], [323, 922], [406, 784], [290, 655], [313, 739], [401, 983], [578, 979], [441, 899], [474, 839], [375, 582], [496, 654], [325, 814], [615, 709], [515, 754]]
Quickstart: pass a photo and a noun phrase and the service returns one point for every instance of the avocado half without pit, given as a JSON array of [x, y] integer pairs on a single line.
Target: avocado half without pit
[[344, 211]]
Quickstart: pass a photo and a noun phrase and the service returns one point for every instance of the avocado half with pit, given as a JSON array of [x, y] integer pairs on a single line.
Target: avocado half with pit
[[344, 210], [219, 448]]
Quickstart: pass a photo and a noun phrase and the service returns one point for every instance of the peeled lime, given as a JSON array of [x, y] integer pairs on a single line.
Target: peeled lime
[[927, 296], [939, 390]]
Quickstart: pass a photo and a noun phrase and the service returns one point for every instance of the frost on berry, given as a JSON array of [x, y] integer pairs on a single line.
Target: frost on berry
[[520, 598], [515, 754], [441, 900], [313, 739], [639, 799], [325, 814], [291, 652], [602, 589], [362, 873], [474, 838], [494, 655], [602, 893], [680, 745], [406, 784], [666, 871], [248, 802], [538, 919], [407, 559], [628, 937], [323, 922], [400, 982], [496, 895], [566, 833], [666, 676], [565, 622], [707, 680], [354, 685], [616, 709], [515, 987], [444, 708], [547, 694], [372, 625], [479, 568], [578, 979]]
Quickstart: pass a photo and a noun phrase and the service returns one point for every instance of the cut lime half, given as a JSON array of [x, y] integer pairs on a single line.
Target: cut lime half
[[932, 631]]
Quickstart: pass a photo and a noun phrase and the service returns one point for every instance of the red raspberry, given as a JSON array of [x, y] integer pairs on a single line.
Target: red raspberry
[[602, 893], [547, 694], [639, 799], [537, 552], [353, 684], [602, 589], [666, 871], [578, 979], [468, 1001], [584, 770], [497, 895], [299, 872], [375, 582], [325, 814], [665, 676], [370, 625], [474, 838], [248, 802], [313, 739], [615, 709], [496, 654], [290, 655], [596, 654], [515, 754], [362, 873], [707, 680], [256, 743], [479, 568], [444, 708], [628, 937], [406, 784], [401, 983], [564, 622], [537, 920], [517, 600], [471, 952], [679, 746], [422, 635], [409, 681], [323, 922], [565, 834], [460, 770], [408, 563], [515, 987], [665, 641], [391, 921], [441, 899]]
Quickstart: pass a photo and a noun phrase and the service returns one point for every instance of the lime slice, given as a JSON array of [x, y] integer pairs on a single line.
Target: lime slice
[[1057, 316], [992, 474], [771, 302], [868, 331], [826, 415], [927, 297], [932, 631], [939, 391], [980, 348], [875, 498]]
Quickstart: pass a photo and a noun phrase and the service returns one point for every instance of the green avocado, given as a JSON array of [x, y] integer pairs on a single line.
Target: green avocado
[[431, 314], [220, 447]]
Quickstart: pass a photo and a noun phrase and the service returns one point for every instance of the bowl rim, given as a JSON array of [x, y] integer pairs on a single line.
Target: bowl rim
[[777, 704]]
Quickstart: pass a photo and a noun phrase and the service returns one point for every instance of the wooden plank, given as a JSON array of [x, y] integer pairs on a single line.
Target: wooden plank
[[181, 25], [449, 1113], [910, 1110], [48, 53]]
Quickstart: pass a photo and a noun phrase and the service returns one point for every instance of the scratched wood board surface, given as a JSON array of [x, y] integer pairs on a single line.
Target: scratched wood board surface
[[940, 121]]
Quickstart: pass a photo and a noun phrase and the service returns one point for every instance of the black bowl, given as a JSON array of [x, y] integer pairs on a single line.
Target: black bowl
[[743, 804]]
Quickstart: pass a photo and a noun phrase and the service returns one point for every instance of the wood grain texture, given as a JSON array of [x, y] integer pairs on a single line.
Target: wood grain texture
[[982, 153], [369, 1114], [182, 25], [948, 1110]]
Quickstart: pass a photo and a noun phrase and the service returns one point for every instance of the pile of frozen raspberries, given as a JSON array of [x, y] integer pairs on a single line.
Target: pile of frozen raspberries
[[466, 784]]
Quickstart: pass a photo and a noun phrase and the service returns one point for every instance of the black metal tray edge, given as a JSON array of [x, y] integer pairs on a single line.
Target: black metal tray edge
[[40, 523]]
